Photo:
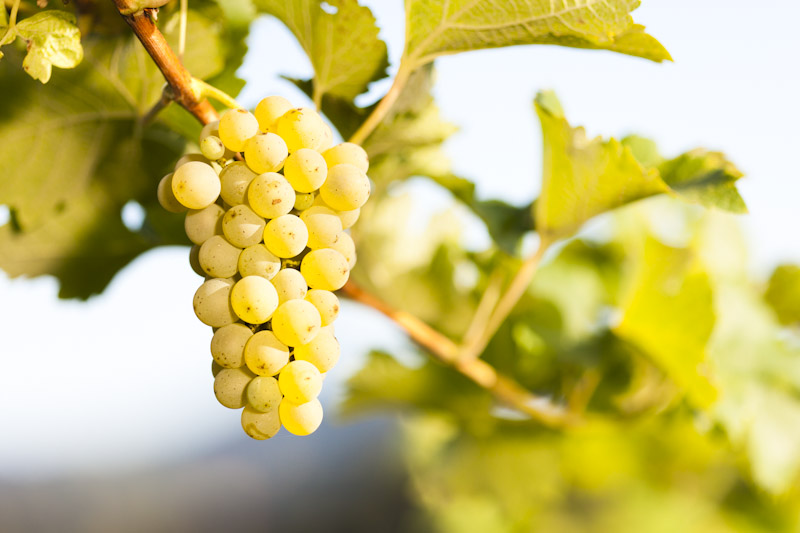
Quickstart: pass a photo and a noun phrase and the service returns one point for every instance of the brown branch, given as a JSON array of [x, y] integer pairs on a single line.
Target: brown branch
[[445, 350], [168, 63]]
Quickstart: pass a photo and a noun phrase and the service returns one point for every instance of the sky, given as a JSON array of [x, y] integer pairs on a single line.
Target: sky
[[124, 380]]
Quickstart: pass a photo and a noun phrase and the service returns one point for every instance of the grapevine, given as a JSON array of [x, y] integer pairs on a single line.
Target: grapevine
[[270, 234]]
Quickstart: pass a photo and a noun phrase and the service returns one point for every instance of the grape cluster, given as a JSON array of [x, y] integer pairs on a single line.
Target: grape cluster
[[268, 202]]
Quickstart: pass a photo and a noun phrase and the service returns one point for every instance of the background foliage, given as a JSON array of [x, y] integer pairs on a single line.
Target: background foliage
[[683, 370]]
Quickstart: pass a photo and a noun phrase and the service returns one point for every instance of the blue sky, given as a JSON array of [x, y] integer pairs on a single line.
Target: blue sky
[[125, 379]]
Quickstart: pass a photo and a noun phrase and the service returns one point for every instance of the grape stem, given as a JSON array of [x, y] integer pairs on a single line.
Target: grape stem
[[504, 388], [188, 93], [205, 90], [178, 78]]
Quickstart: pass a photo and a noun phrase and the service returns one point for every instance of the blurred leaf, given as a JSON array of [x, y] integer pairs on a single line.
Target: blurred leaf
[[644, 150], [669, 315], [581, 177], [53, 40], [705, 178], [341, 40], [437, 27], [783, 294]]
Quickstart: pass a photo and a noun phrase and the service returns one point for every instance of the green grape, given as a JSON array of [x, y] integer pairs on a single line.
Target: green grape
[[212, 303], [242, 226], [270, 195], [325, 269], [188, 158], [265, 152], [212, 148], [301, 128], [286, 236], [323, 351], [345, 246], [300, 382], [302, 419], [254, 299], [230, 386], [256, 260], [212, 128], [236, 126], [303, 200], [264, 394], [202, 224], [305, 170], [215, 368], [290, 285], [219, 258], [324, 226], [345, 188], [194, 261], [258, 425], [349, 153], [234, 181], [264, 354], [227, 345], [296, 322], [326, 303], [167, 198], [269, 110], [195, 185]]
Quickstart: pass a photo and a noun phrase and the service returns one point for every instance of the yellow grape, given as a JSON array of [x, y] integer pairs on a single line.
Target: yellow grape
[[324, 226], [256, 260], [270, 195], [236, 126], [264, 354], [322, 352], [286, 236], [296, 322], [235, 179], [254, 299], [301, 419], [227, 345], [195, 185], [242, 226], [290, 285], [212, 303], [305, 170], [345, 246], [187, 158], [258, 425], [265, 152], [230, 386], [301, 128], [269, 110], [303, 200], [219, 258], [300, 382], [202, 224], [215, 368], [326, 303], [264, 394], [349, 153], [194, 261], [167, 198], [346, 187], [212, 148], [325, 269]]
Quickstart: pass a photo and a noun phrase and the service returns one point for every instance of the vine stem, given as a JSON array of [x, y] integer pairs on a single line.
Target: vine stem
[[168, 63], [384, 106], [185, 91]]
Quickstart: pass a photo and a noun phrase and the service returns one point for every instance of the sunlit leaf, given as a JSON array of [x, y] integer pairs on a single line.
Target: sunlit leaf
[[53, 40], [706, 178], [783, 293]]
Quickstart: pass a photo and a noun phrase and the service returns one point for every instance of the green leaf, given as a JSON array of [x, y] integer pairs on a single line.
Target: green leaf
[[53, 40], [783, 294], [437, 27], [668, 314], [583, 178], [705, 178], [343, 47]]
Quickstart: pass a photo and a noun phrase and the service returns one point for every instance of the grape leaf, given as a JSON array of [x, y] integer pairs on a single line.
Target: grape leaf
[[343, 47], [437, 27], [783, 294], [582, 177], [704, 178], [53, 40], [668, 314]]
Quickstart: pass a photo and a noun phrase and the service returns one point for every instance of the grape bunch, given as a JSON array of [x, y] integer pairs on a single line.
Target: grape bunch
[[268, 202]]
